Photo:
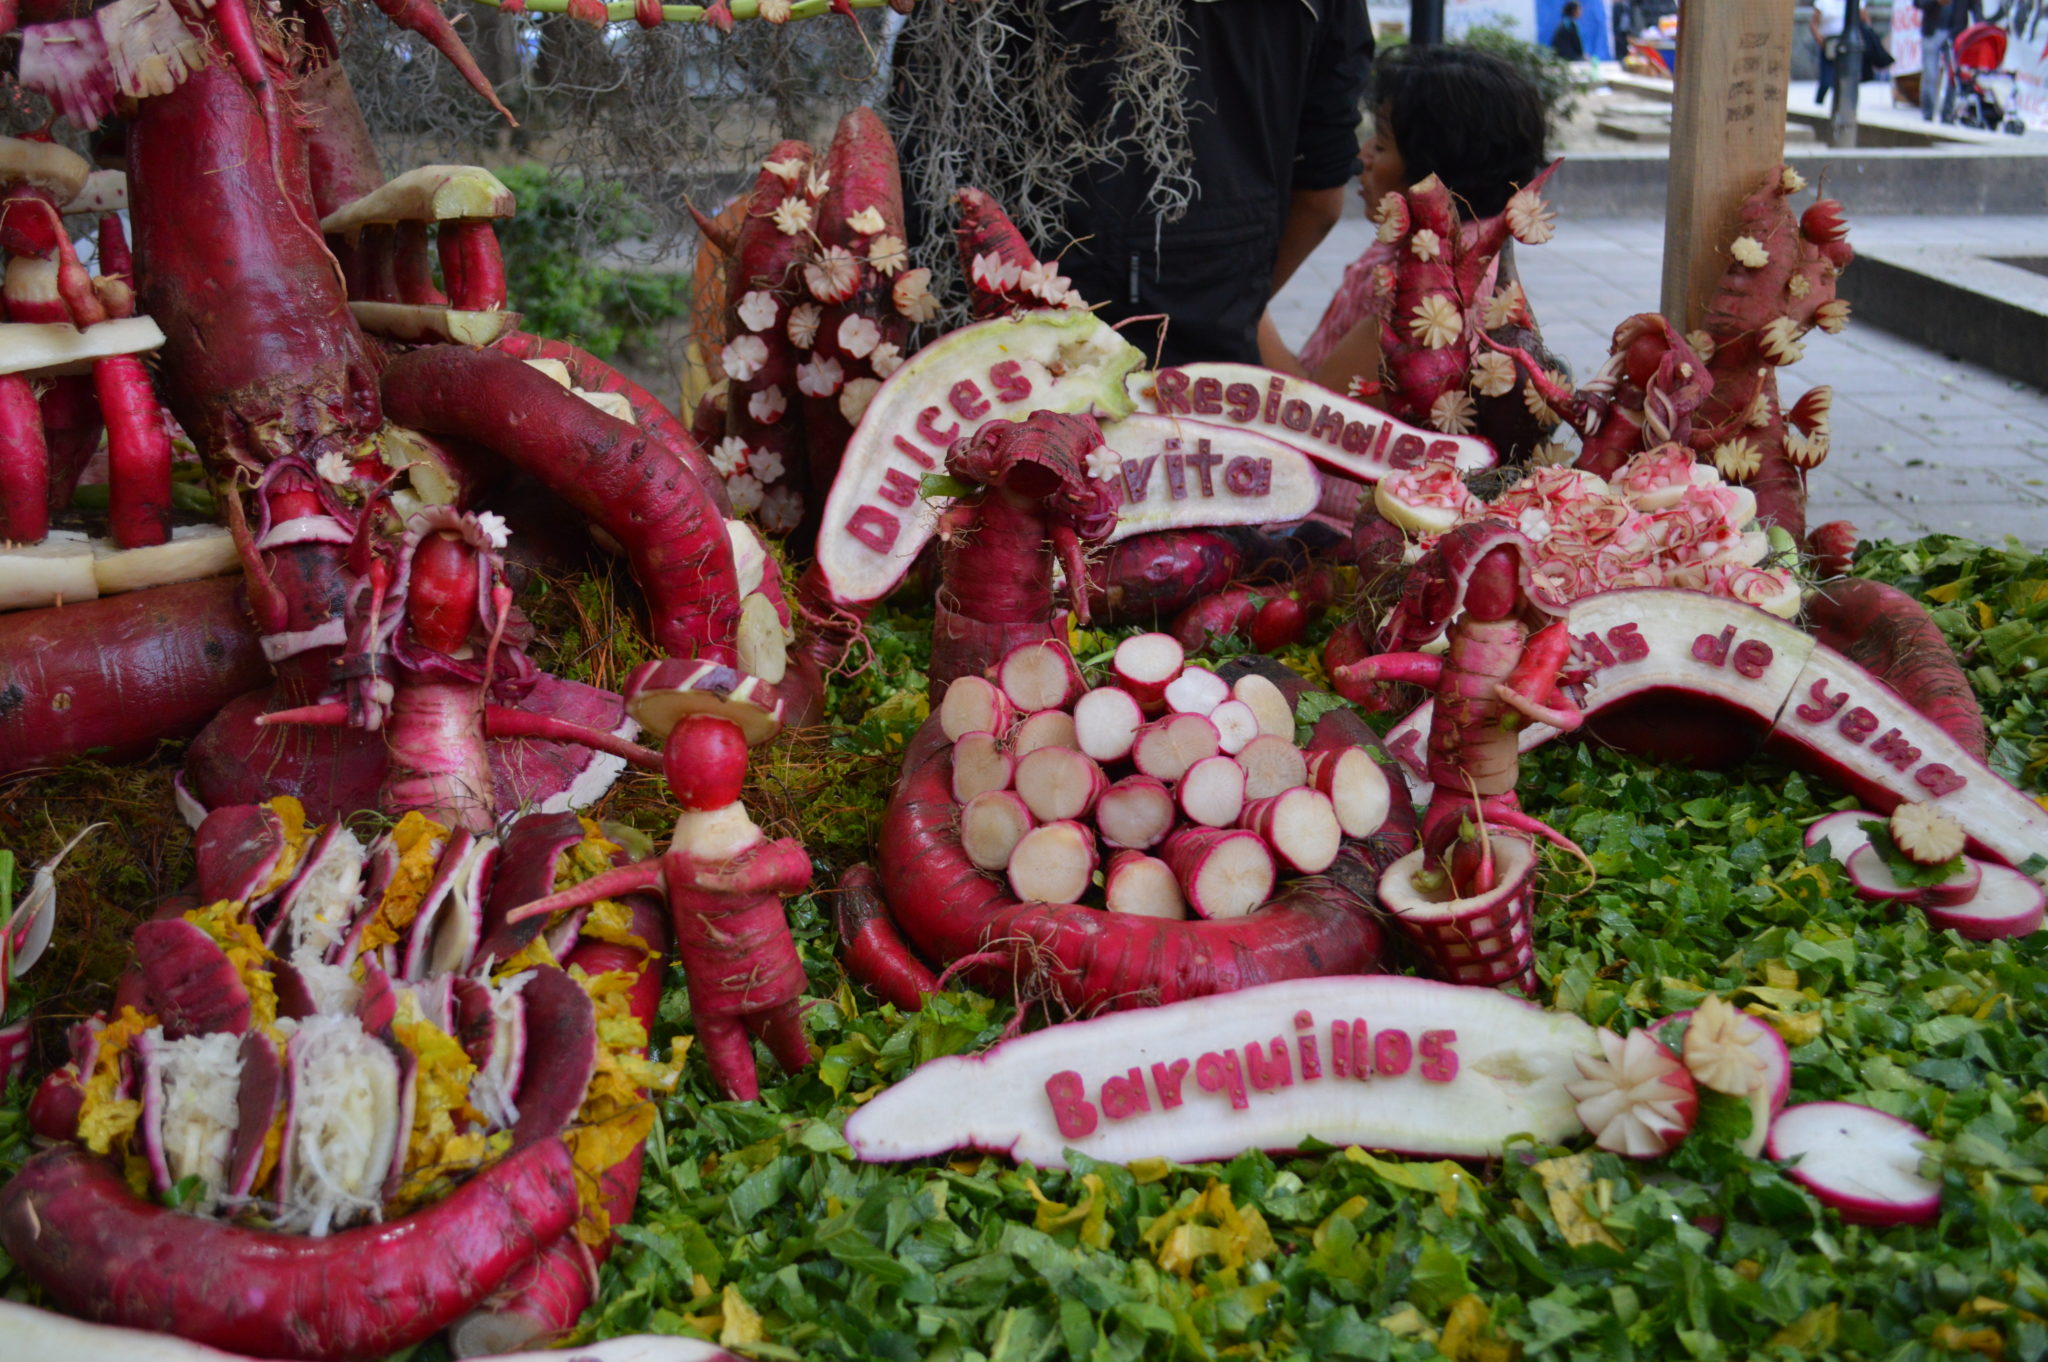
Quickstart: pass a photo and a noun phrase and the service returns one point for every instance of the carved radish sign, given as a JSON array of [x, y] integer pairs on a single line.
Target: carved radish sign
[[1378, 1060], [1171, 474]]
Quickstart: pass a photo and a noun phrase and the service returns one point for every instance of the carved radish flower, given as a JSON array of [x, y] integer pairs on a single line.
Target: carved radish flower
[[781, 509], [819, 377], [1798, 286], [743, 357], [819, 181], [1392, 216], [1702, 345], [1104, 463], [858, 336], [855, 396], [1552, 454], [792, 216], [1925, 834], [867, 221], [1533, 400], [333, 466], [766, 464], [803, 325], [1493, 374], [1810, 412], [1637, 1098], [1452, 413], [887, 254], [729, 455], [1759, 414], [995, 274], [758, 309], [788, 171], [833, 275], [776, 11], [1749, 252], [1719, 1054], [885, 359], [767, 405], [1780, 342], [1738, 459], [1832, 316], [1425, 245], [1806, 451], [913, 295], [1507, 308], [1437, 322], [744, 492], [1045, 282], [1791, 180], [1532, 221]]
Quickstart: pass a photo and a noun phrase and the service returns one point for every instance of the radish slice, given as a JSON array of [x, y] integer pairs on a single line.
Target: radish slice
[[1842, 833], [1222, 873], [257, 1104], [2007, 903], [974, 704], [320, 904], [1268, 702], [1212, 792], [1873, 878], [1167, 747], [1039, 676], [991, 825], [1106, 723], [1862, 1162], [1300, 826], [1053, 864], [979, 765], [560, 1056], [1357, 786], [1047, 728], [1145, 664], [1637, 1098], [1196, 691], [1271, 765], [1732, 1052], [1058, 783], [1143, 886], [1137, 811], [1236, 725]]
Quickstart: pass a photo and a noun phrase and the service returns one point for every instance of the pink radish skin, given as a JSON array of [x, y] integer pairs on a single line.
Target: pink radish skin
[[991, 825], [873, 950], [1106, 723], [2007, 904], [1166, 748], [1859, 1160], [1143, 886], [1145, 664], [1136, 812], [1059, 784], [1196, 692], [974, 704], [1223, 873], [1047, 728], [1357, 787], [1212, 792], [1300, 826], [1271, 765], [1053, 864], [980, 764], [1039, 675]]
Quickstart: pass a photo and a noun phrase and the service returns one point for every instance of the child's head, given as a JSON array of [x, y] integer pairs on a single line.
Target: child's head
[[1571, 9], [1466, 116]]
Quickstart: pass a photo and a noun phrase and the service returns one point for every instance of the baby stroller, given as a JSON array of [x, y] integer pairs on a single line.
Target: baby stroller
[[1978, 52]]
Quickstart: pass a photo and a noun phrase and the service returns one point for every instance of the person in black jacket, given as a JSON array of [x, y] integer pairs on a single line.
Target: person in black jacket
[[1565, 39]]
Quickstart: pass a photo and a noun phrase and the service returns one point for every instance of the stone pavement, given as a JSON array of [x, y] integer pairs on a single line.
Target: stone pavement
[[1921, 442]]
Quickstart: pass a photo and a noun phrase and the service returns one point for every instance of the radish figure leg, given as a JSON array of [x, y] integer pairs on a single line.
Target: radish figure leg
[[781, 1029], [730, 1054]]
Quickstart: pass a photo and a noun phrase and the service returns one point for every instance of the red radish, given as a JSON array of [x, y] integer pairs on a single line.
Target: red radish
[[1924, 834], [25, 471], [1227, 614], [1212, 792], [1143, 886], [1281, 621], [238, 850], [450, 920], [1137, 811], [69, 1220], [1861, 1161], [1106, 723], [1236, 725], [1039, 675], [1272, 764], [1300, 826], [1145, 664], [1267, 702], [974, 704], [1223, 873], [1058, 784], [991, 825], [1196, 691], [980, 764], [2006, 904], [191, 984], [1732, 1052], [1636, 1097], [1357, 786], [490, 1024], [704, 760], [1053, 863], [1167, 747], [1154, 576], [1878, 626], [1047, 728], [873, 951], [258, 1104], [763, 409]]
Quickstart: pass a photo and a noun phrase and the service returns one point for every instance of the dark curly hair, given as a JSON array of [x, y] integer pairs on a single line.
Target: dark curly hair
[[1468, 117]]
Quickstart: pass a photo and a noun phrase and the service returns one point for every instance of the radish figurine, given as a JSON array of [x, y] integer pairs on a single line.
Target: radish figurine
[[1862, 1162]]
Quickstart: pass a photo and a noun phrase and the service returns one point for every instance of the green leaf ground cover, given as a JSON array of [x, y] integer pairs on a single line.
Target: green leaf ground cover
[[756, 1225]]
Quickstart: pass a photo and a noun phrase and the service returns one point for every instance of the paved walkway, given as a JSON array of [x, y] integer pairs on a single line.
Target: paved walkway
[[1921, 442]]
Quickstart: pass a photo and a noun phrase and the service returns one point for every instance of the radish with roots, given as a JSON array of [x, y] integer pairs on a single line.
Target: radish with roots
[[1861, 1161]]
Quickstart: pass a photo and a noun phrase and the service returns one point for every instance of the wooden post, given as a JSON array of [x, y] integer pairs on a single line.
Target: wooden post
[[1727, 130]]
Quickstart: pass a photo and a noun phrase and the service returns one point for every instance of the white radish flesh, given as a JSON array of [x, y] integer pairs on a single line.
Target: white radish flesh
[[1059, 783], [979, 765], [1196, 692], [1272, 764], [1843, 832], [759, 642], [1873, 877], [1106, 723], [974, 704], [1862, 1162], [1143, 886], [1039, 676], [1301, 827], [2007, 903], [1236, 725], [1357, 786], [1145, 664], [1137, 811], [1637, 1099], [1222, 873], [1925, 834], [1054, 863], [991, 825], [1047, 728], [1268, 701], [1167, 747], [1212, 792]]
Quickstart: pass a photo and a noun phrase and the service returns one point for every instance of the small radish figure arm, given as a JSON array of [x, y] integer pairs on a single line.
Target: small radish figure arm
[[1355, 682], [609, 884], [502, 722]]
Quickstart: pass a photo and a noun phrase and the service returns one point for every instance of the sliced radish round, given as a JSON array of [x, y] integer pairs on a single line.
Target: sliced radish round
[[1053, 864], [1732, 1052], [1268, 701], [1039, 675], [979, 765], [1137, 811], [1106, 723], [1143, 886], [974, 704], [1196, 691], [1271, 764], [1047, 728], [1236, 725], [1212, 792], [2006, 903], [1357, 786], [1058, 783], [1843, 832], [1165, 748], [1925, 834], [1300, 826], [1873, 878], [1144, 664], [1637, 1098], [1861, 1161], [991, 825], [1222, 873]]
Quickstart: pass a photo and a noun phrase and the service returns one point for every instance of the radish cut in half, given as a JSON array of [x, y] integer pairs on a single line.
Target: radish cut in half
[[1106, 723], [1058, 783], [462, 915], [1196, 691], [1145, 664], [991, 826], [1873, 878], [1842, 833], [1300, 826], [1272, 764], [190, 1110], [1861, 1161], [1223, 873], [1143, 886], [1268, 702], [1047, 728], [1236, 725], [1053, 864], [1039, 675], [1637, 1098], [1136, 812], [979, 765], [2007, 903], [1358, 788], [559, 1058], [1212, 792], [974, 704], [1167, 747]]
